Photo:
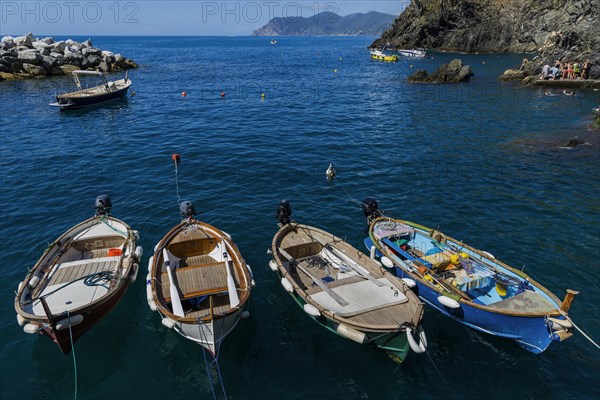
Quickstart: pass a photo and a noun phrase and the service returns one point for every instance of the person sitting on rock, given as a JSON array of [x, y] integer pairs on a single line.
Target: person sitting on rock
[[576, 70], [554, 72], [585, 69], [523, 64]]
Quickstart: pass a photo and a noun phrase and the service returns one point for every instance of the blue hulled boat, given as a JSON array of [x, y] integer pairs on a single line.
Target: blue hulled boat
[[470, 285]]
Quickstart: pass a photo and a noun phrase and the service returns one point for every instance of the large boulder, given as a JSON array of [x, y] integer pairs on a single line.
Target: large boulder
[[103, 66], [47, 62], [26, 40], [6, 45], [4, 68], [93, 60], [59, 47], [512, 75], [87, 51], [453, 72], [47, 40], [88, 43], [57, 71], [7, 39], [30, 57], [34, 70]]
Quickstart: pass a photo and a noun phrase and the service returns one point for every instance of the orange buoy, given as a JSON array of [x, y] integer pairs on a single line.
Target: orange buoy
[[222, 94], [176, 158], [183, 94]]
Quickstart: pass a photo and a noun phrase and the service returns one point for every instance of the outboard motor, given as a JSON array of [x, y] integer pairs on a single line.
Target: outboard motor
[[103, 205], [371, 209], [284, 212], [187, 210]]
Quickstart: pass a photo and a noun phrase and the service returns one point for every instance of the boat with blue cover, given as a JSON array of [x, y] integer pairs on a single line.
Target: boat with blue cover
[[469, 285]]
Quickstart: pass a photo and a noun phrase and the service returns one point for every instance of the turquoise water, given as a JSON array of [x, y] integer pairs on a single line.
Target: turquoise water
[[479, 161]]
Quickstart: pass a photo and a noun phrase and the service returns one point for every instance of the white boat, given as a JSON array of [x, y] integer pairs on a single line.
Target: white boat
[[198, 281], [414, 53]]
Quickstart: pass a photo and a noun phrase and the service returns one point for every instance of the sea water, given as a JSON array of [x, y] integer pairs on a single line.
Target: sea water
[[480, 161]]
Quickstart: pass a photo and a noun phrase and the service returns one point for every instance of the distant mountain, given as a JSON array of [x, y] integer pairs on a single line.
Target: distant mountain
[[328, 23]]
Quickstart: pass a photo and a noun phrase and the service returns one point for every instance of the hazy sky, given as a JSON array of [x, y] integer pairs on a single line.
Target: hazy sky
[[164, 17]]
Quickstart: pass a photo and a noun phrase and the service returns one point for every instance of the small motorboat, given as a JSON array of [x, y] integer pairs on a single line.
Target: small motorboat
[[345, 291], [198, 282], [381, 56], [273, 41], [415, 53], [107, 91], [80, 278], [470, 285]]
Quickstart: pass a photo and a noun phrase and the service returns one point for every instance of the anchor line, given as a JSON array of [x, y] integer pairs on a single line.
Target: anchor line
[[73, 351], [440, 375], [580, 330]]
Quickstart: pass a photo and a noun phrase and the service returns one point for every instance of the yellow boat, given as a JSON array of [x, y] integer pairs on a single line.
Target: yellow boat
[[379, 55]]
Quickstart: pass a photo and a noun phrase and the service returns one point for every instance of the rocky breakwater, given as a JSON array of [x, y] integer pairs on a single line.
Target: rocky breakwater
[[29, 57], [453, 72]]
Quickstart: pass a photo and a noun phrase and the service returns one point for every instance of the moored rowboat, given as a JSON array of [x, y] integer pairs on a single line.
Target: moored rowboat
[[471, 286], [79, 279], [198, 281]]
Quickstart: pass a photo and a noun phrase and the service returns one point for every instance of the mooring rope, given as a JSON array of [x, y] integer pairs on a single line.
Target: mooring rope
[[177, 184], [73, 351], [212, 388], [216, 359], [580, 330], [440, 375]]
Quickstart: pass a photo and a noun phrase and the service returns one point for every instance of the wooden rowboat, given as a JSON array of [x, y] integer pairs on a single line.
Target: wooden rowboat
[[346, 292], [79, 279], [472, 286], [199, 282]]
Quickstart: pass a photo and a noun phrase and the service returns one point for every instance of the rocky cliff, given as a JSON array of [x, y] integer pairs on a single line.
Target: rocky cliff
[[327, 24], [557, 29]]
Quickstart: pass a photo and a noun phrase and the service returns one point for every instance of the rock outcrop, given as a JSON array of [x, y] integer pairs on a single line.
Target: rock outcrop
[[565, 30], [453, 72], [28, 57]]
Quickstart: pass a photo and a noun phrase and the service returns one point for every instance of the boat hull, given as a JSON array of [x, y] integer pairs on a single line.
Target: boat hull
[[530, 330], [412, 54], [386, 58], [73, 103]]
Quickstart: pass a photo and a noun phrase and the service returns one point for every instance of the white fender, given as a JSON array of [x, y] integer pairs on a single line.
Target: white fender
[[150, 263], [490, 255], [136, 235], [273, 265], [251, 276], [559, 324], [20, 286], [387, 262], [227, 234], [149, 298], [244, 314], [138, 253], [351, 333], [287, 285], [22, 321], [311, 310], [168, 322], [72, 320], [372, 252], [417, 347], [448, 302], [409, 282], [31, 328], [34, 281], [133, 274]]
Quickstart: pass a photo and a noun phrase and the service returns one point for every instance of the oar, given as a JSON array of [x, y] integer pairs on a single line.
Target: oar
[[351, 263], [316, 280], [233, 297], [175, 300]]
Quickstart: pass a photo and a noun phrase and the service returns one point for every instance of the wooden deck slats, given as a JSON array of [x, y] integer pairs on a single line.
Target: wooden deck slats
[[73, 272], [199, 280], [194, 235]]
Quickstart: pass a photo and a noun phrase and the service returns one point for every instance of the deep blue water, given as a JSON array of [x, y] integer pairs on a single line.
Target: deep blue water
[[477, 160]]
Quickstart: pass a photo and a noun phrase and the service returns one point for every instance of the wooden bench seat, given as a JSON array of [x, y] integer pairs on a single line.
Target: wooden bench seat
[[198, 280]]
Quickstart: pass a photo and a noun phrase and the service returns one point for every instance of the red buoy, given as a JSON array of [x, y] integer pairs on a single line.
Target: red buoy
[[183, 94], [222, 94], [176, 158]]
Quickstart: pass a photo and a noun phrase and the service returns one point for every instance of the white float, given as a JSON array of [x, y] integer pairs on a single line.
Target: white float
[[387, 262], [273, 265], [287, 285], [31, 328], [409, 282], [417, 347], [149, 298], [22, 321], [311, 310], [448, 302], [34, 281], [168, 322], [351, 333], [72, 321]]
